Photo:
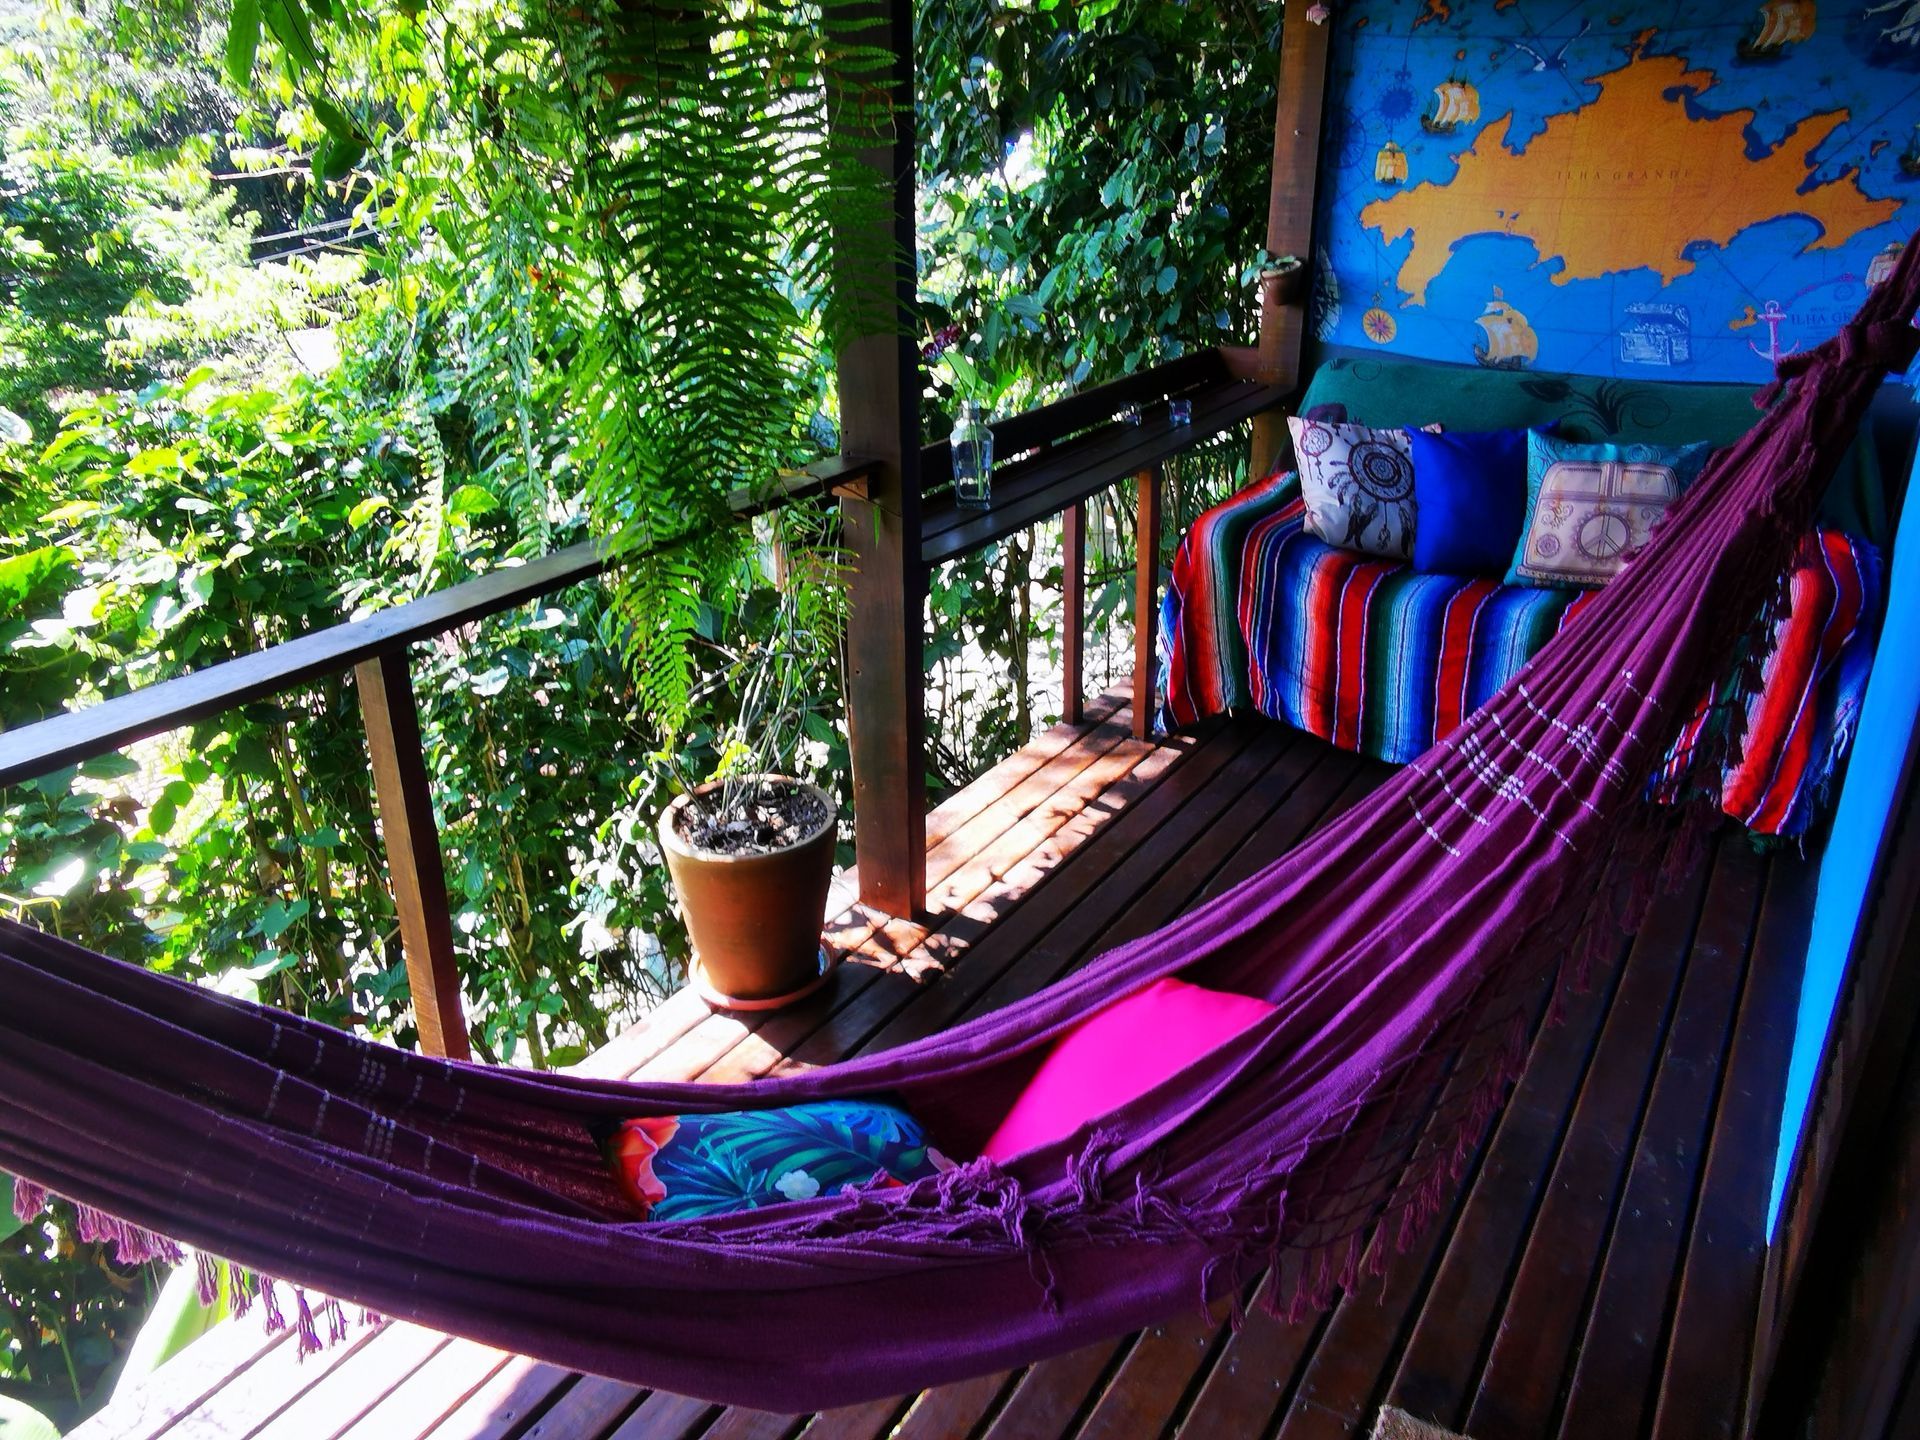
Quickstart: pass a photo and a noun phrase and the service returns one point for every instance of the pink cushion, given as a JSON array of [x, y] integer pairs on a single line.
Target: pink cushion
[[1118, 1054]]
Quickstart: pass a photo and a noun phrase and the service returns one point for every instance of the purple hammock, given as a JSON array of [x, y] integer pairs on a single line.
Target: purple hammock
[[1407, 948]]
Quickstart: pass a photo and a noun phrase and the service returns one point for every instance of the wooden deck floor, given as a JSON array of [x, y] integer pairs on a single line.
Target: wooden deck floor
[[1596, 1276]]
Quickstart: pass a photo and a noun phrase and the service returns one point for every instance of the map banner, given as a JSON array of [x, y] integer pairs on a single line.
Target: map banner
[[1680, 191]]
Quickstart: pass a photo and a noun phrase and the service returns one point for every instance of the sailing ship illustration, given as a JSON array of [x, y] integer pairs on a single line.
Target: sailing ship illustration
[[1455, 103], [1510, 343], [1390, 165], [1781, 24]]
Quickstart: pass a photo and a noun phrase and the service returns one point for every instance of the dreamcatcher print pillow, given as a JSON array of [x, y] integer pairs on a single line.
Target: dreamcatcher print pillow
[[1357, 482]]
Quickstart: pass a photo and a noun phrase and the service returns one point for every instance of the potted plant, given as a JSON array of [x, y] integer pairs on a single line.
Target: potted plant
[[750, 849], [752, 860], [1283, 279]]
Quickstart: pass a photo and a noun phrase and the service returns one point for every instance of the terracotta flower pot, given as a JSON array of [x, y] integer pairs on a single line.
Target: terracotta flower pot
[[1284, 282], [755, 919]]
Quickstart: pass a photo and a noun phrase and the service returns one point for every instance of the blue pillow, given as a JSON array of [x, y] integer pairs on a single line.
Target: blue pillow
[[679, 1167], [1470, 490], [1590, 507]]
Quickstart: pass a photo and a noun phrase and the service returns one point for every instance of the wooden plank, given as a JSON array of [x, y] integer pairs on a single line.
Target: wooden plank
[[590, 1407], [503, 1406], [357, 1386], [415, 867], [898, 955], [1073, 612], [1334, 784], [905, 958], [436, 1389], [1343, 1379], [1340, 1383], [1613, 1388], [968, 840], [1047, 427], [1253, 1376], [667, 1417], [953, 1410], [1042, 938], [879, 384], [1436, 1370], [754, 1425], [1048, 1396], [983, 790], [1521, 1382], [268, 1386], [857, 1422], [216, 1361], [1702, 1389], [1145, 1392], [650, 1036], [1146, 596]]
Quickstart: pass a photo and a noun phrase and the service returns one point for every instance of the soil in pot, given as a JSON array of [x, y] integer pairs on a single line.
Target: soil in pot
[[772, 817]]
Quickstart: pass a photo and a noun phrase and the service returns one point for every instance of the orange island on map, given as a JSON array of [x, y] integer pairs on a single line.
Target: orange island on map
[[1628, 181]]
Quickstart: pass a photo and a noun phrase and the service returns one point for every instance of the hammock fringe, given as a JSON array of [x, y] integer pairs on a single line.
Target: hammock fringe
[[1411, 953]]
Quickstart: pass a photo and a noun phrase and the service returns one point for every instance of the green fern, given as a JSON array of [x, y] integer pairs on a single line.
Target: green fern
[[651, 207]]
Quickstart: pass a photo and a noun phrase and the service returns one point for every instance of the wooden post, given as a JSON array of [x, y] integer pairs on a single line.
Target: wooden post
[[879, 373], [1296, 154], [413, 851], [1073, 613], [1146, 592]]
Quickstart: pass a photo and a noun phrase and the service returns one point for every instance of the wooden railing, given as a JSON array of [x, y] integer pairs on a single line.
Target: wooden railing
[[900, 520], [1074, 449], [375, 649]]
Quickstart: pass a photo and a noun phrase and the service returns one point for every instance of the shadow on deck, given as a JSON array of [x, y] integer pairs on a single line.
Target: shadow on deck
[[1597, 1274]]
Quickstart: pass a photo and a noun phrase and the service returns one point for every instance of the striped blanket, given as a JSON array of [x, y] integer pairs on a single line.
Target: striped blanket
[[1376, 658]]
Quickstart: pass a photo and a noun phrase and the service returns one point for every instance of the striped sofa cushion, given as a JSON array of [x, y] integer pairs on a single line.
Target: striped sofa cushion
[[1376, 658]]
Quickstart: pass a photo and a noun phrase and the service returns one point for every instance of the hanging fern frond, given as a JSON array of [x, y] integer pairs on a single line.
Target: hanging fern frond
[[651, 223]]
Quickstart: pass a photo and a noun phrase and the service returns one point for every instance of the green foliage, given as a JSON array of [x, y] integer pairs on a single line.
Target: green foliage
[[656, 200], [1095, 182], [120, 263], [1093, 198], [67, 1313]]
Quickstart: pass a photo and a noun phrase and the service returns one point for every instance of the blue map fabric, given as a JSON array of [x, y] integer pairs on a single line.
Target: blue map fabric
[[1680, 191]]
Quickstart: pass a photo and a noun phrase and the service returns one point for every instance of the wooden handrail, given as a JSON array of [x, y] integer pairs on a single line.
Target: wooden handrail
[[78, 735], [1064, 474], [1046, 426], [1074, 448]]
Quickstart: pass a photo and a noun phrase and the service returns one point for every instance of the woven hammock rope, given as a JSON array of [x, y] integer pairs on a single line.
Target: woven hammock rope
[[1404, 948]]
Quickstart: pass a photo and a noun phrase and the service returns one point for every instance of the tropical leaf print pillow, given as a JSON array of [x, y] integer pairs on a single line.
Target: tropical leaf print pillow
[[1357, 482], [681, 1167]]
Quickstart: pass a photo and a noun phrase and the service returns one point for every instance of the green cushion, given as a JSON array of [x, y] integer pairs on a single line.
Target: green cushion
[[1586, 408]]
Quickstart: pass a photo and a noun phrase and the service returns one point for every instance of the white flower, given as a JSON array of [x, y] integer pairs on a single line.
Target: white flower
[[797, 1185]]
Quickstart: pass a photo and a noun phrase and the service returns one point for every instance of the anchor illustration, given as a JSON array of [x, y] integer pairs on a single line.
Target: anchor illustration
[[1773, 315]]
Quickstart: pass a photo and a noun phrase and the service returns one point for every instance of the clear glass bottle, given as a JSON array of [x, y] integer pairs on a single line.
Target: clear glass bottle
[[972, 458]]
